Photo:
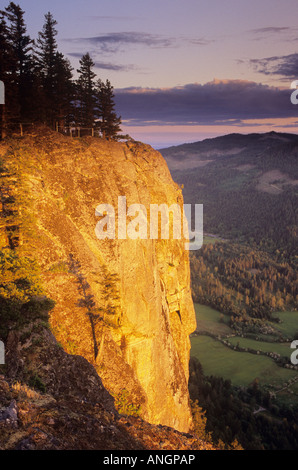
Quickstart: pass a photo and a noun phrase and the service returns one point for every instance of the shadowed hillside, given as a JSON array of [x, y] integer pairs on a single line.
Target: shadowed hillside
[[248, 185]]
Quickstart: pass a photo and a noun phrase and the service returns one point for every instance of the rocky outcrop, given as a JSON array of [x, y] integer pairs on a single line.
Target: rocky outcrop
[[51, 400], [30, 420], [123, 305], [33, 356]]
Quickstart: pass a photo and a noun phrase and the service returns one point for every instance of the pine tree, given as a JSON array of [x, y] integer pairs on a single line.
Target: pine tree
[[4, 67], [48, 47], [55, 87], [109, 123], [20, 41], [8, 68], [21, 47], [85, 92], [199, 421], [46, 57], [63, 91], [5, 47]]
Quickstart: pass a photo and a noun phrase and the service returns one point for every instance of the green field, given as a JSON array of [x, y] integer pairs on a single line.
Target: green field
[[242, 367], [211, 321], [289, 323], [280, 348]]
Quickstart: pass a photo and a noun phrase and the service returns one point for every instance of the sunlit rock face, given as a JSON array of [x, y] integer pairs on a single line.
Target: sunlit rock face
[[125, 305]]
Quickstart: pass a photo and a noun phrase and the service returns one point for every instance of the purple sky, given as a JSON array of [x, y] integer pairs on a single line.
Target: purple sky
[[185, 70]]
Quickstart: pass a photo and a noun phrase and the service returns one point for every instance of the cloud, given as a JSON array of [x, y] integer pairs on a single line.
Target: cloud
[[113, 42], [285, 66], [280, 33], [202, 41], [270, 30], [118, 18], [105, 65], [114, 67], [217, 102]]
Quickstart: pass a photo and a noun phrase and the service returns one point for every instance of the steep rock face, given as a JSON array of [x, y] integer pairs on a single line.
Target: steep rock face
[[124, 305], [68, 408]]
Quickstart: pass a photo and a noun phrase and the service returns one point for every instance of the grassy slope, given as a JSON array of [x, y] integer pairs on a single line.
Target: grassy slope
[[289, 323], [208, 320], [240, 367]]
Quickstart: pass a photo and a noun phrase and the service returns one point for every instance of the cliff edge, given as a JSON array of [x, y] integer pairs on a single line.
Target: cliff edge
[[122, 304]]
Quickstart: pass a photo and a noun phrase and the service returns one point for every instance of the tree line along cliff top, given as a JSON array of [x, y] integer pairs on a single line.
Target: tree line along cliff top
[[40, 87]]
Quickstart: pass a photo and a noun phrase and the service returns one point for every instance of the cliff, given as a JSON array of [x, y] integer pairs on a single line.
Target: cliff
[[65, 406], [123, 305]]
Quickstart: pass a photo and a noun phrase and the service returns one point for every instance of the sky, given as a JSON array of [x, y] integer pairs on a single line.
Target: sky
[[184, 70]]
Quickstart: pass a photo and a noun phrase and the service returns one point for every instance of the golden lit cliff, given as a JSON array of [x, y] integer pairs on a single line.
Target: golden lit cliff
[[124, 305]]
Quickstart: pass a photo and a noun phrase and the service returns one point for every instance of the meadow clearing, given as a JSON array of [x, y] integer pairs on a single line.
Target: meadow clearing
[[243, 367]]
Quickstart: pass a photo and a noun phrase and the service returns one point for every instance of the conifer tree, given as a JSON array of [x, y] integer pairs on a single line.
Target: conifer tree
[[20, 41], [109, 122], [8, 74], [47, 48], [5, 48], [21, 47], [63, 92], [85, 92], [199, 421], [55, 76], [46, 57], [4, 67]]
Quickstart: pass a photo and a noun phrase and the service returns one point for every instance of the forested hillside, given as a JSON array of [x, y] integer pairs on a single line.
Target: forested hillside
[[247, 184], [244, 284]]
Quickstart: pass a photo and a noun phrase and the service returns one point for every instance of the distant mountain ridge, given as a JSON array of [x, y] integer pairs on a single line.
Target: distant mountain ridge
[[248, 185], [190, 155]]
